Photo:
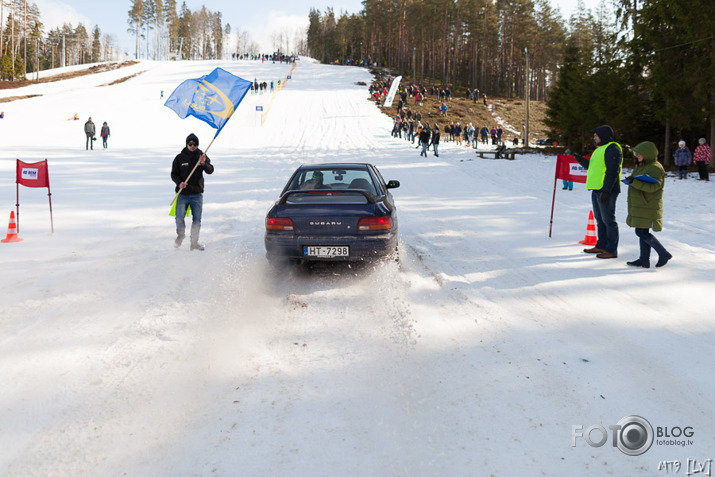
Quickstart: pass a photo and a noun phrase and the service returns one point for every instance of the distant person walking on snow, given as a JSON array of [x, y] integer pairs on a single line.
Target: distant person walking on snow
[[89, 131], [682, 159], [703, 156], [191, 190], [105, 134], [645, 204], [424, 139], [435, 140]]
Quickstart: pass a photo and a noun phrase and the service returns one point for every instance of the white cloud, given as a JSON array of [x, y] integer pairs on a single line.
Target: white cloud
[[55, 14], [276, 23]]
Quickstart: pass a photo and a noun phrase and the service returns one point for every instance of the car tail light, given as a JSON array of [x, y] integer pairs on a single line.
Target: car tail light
[[279, 223], [374, 223]]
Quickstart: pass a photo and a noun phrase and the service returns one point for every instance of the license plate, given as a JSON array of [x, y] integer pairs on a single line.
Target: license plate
[[323, 251]]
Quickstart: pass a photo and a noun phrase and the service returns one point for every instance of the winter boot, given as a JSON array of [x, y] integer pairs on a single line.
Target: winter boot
[[663, 259], [195, 245], [179, 240], [639, 263]]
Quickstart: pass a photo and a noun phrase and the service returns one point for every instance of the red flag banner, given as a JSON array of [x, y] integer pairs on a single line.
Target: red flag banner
[[568, 169], [33, 174]]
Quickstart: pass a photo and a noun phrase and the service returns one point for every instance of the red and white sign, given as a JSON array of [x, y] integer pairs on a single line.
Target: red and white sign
[[568, 169], [33, 174]]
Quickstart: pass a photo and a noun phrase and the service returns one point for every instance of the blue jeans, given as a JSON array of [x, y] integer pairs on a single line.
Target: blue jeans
[[196, 201], [425, 145], [435, 148], [606, 225]]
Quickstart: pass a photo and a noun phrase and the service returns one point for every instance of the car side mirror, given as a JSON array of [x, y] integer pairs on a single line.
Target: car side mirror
[[393, 184]]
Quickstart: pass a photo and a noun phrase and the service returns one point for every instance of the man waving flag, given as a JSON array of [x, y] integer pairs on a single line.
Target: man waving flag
[[213, 99]]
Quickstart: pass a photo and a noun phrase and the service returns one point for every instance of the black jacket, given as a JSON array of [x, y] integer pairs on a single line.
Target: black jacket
[[182, 166], [435, 137]]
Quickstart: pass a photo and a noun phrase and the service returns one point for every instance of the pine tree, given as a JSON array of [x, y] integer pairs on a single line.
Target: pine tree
[[6, 71], [96, 45], [184, 28], [136, 19], [171, 19], [570, 100]]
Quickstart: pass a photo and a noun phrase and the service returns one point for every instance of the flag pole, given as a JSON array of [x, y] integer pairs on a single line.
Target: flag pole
[[49, 196], [52, 220], [194, 169], [553, 199], [17, 201], [17, 191]]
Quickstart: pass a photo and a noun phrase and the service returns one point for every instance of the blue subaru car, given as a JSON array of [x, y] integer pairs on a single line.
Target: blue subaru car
[[333, 212]]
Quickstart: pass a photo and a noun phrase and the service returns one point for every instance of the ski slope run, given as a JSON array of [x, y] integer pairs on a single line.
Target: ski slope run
[[475, 355]]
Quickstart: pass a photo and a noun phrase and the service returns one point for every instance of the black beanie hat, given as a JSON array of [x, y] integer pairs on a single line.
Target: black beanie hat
[[192, 138]]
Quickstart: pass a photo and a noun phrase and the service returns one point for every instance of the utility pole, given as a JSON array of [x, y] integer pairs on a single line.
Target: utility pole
[[12, 39], [24, 36], [2, 16], [37, 59], [527, 95]]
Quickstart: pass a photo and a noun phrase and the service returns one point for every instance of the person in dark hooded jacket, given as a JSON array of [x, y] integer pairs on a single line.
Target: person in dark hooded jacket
[[645, 204], [424, 139], [603, 180], [191, 189]]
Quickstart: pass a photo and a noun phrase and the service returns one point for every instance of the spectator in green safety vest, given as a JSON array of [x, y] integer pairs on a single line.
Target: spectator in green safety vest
[[604, 181]]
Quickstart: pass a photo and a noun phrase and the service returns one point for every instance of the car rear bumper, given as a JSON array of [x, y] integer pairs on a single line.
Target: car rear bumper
[[362, 247]]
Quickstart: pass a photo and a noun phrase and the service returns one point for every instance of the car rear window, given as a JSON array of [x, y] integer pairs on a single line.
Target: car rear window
[[333, 179]]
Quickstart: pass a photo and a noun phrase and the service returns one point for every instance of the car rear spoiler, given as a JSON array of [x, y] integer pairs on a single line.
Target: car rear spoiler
[[371, 199]]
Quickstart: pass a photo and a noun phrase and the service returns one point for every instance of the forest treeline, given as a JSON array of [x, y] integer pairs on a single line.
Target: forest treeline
[[186, 34], [162, 30], [645, 67], [25, 46]]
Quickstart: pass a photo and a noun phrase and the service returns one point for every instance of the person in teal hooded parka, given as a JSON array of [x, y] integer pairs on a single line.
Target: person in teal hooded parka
[[645, 204]]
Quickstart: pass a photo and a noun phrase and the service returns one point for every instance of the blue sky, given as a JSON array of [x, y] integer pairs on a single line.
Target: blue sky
[[260, 20]]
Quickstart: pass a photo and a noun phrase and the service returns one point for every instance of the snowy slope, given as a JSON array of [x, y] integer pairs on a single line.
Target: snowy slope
[[474, 356]]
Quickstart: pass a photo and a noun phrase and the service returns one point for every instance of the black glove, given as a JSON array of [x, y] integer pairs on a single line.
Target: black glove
[[630, 179], [605, 197]]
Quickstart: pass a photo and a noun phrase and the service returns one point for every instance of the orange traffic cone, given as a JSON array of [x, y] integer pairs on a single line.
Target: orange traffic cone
[[12, 231], [591, 237]]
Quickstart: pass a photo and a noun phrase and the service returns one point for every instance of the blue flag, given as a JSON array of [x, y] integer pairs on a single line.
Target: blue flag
[[212, 98]]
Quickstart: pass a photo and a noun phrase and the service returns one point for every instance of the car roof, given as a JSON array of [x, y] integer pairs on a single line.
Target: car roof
[[334, 165]]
